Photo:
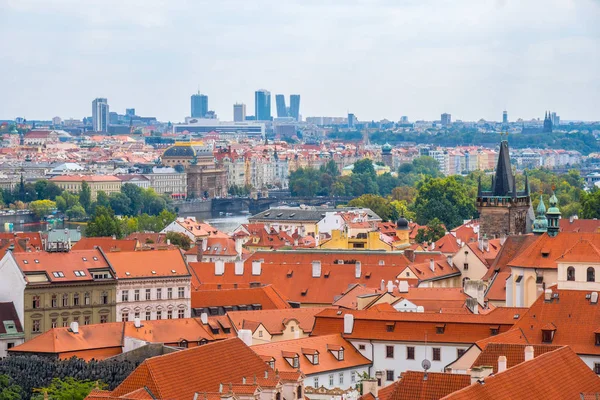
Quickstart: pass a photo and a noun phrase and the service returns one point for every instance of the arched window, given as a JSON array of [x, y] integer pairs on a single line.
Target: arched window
[[591, 274], [278, 396], [299, 392], [570, 274]]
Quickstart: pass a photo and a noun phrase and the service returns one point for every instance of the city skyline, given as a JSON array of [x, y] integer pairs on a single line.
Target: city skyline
[[377, 60]]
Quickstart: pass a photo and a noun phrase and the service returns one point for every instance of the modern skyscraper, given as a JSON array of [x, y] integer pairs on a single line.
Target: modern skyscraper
[[130, 112], [446, 119], [262, 105], [100, 115], [505, 117], [239, 112], [351, 120], [295, 106], [280, 104], [199, 105]]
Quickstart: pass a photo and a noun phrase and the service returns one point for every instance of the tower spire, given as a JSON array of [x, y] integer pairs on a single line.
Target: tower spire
[[504, 180]]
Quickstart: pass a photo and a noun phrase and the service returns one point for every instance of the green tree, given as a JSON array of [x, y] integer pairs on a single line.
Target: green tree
[[85, 196], [9, 390], [590, 205], [41, 208], [386, 184], [104, 223], [76, 212], [447, 199], [364, 166], [378, 205], [66, 200], [179, 239], [46, 190], [120, 203], [330, 168], [431, 233], [67, 389], [102, 199], [134, 193]]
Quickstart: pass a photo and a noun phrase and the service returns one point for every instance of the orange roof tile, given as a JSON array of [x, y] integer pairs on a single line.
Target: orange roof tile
[[579, 225], [274, 320], [108, 244], [267, 296], [582, 251], [558, 374], [87, 178], [321, 344], [514, 353], [139, 264], [203, 368], [62, 267], [418, 385]]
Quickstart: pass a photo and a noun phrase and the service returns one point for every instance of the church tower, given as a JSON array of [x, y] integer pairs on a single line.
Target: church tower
[[540, 225], [553, 216], [548, 122], [503, 210]]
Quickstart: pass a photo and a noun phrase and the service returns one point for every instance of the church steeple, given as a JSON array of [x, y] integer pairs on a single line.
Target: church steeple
[[504, 179], [540, 225], [553, 216]]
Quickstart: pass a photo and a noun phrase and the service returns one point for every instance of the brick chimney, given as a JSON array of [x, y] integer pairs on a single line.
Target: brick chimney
[[199, 249], [529, 353], [501, 364], [432, 265]]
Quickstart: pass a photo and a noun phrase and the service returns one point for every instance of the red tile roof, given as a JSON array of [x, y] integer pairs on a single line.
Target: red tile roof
[[311, 345], [514, 353], [274, 320], [67, 264], [417, 385], [558, 374], [140, 264], [579, 225], [267, 296], [204, 371], [108, 244], [87, 178]]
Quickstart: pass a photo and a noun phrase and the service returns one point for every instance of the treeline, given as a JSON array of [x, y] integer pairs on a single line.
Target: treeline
[[583, 142], [421, 193]]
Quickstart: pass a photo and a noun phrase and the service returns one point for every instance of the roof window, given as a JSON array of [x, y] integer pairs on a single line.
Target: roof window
[[173, 271], [36, 261], [84, 258], [153, 272], [25, 262], [127, 273], [95, 258]]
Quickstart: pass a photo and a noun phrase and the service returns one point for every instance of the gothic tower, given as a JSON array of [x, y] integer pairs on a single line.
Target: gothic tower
[[503, 210], [553, 216]]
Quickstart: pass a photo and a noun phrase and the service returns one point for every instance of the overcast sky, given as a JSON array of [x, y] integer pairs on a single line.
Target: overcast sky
[[377, 59]]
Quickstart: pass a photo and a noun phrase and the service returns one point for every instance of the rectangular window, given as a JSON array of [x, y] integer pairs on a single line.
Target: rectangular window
[[125, 317], [136, 315], [410, 353], [103, 319], [104, 298], [597, 368], [65, 301], [35, 326], [159, 315], [148, 294], [181, 292], [136, 295], [181, 314], [330, 380], [54, 302], [169, 293], [437, 354], [148, 315], [353, 377], [125, 295], [65, 322], [159, 294], [361, 347], [86, 299], [316, 383], [76, 299], [389, 375], [460, 352], [466, 266], [87, 320], [341, 378], [36, 302], [389, 351], [54, 322], [169, 314]]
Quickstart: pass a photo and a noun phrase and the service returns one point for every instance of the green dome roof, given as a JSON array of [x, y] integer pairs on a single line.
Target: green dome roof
[[540, 225], [179, 151], [386, 148]]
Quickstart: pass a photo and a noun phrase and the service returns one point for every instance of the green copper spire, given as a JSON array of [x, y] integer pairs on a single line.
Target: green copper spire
[[540, 225], [553, 216]]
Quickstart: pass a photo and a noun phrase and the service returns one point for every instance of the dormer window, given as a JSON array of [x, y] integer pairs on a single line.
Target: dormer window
[[439, 329], [389, 327], [548, 331], [597, 337], [336, 351], [494, 330], [295, 362]]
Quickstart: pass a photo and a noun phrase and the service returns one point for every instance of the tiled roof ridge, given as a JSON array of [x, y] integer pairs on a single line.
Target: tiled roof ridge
[[581, 242]]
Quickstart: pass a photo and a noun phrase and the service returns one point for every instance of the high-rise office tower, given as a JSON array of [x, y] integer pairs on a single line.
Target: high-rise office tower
[[199, 105], [239, 112], [262, 105], [446, 119], [351, 120], [100, 115], [130, 112], [280, 105], [295, 106], [505, 117]]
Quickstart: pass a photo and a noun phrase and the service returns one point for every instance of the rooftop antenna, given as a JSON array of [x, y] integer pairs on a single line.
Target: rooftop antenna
[[425, 364]]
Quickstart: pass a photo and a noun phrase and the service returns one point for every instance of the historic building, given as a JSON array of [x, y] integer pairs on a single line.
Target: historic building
[[72, 183], [504, 210], [56, 289]]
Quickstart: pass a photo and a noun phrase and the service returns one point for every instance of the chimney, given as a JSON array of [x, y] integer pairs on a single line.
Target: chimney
[[219, 267], [74, 327], [473, 305], [256, 267], [239, 267], [199, 250], [402, 287], [137, 322], [528, 353], [370, 386], [479, 373], [246, 336], [239, 245], [316, 269], [390, 286], [431, 265], [169, 243], [204, 318], [243, 380], [548, 294], [501, 364], [486, 243], [382, 286], [357, 270], [348, 323]]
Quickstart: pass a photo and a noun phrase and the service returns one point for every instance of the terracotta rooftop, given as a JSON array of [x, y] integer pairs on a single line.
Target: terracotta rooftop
[[108, 244], [514, 353], [274, 320], [579, 225], [558, 374], [414, 385], [148, 264], [267, 296], [87, 178], [321, 345]]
